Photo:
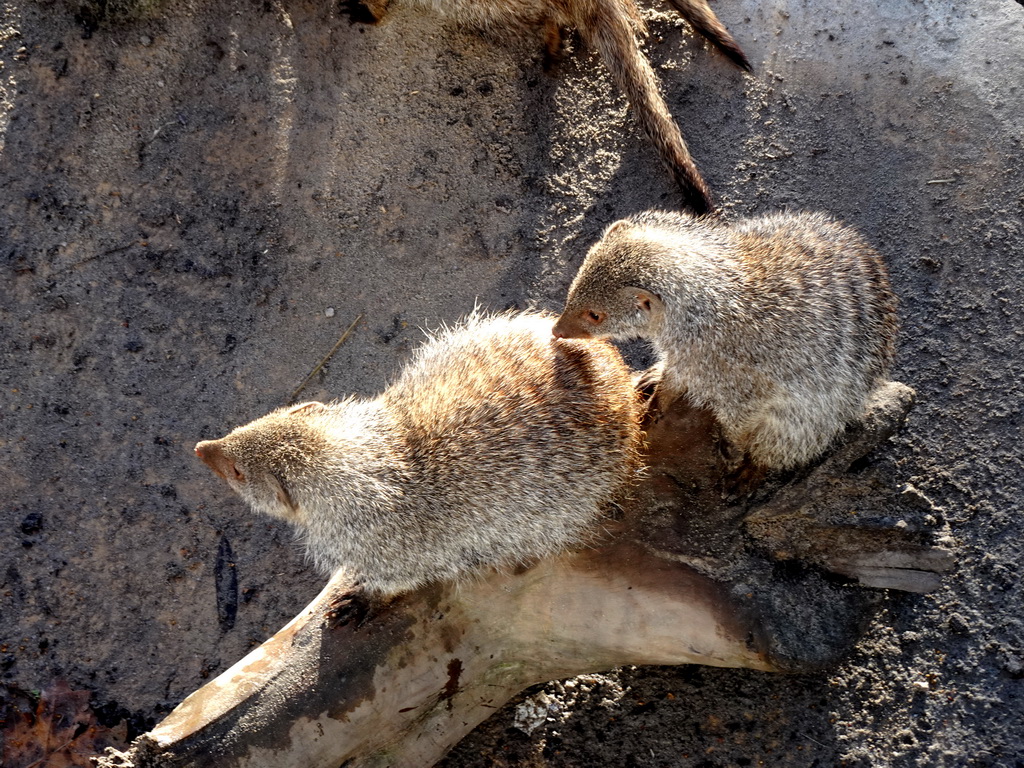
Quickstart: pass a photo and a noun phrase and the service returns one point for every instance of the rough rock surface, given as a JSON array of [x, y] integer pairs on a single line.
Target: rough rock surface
[[194, 206]]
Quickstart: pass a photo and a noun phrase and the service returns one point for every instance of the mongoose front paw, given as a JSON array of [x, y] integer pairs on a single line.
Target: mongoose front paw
[[354, 607], [743, 481], [646, 382]]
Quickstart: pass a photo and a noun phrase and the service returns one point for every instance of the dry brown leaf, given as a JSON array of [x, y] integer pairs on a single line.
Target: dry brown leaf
[[55, 729]]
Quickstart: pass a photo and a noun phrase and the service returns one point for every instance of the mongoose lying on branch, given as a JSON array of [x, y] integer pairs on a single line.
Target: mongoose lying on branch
[[782, 324], [611, 28], [497, 445]]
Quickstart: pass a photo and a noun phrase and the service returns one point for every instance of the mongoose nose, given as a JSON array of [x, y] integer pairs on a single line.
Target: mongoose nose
[[557, 333], [208, 451]]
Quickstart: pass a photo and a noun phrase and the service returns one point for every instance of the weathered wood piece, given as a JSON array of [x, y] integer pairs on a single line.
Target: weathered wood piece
[[682, 579], [790, 524]]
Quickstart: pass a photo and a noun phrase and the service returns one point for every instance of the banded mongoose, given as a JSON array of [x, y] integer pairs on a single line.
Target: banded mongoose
[[781, 324], [497, 445], [610, 27]]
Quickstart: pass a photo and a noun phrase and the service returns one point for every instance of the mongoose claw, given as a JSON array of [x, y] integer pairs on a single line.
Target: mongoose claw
[[352, 607], [646, 382], [742, 482]]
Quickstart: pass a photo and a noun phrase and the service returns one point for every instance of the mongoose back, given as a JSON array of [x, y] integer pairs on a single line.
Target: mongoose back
[[782, 324], [611, 28], [497, 445]]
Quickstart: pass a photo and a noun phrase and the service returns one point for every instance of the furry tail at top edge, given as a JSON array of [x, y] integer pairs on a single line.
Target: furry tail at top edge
[[608, 30], [700, 16]]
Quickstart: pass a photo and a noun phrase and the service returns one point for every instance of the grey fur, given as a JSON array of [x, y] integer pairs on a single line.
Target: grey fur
[[611, 28], [782, 324], [497, 445]]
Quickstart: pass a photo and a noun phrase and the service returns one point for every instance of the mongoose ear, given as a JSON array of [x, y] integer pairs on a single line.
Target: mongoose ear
[[283, 497], [618, 226], [645, 300], [213, 455]]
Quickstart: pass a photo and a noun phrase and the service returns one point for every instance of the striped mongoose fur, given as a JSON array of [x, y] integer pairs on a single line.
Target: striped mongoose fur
[[497, 445], [781, 324]]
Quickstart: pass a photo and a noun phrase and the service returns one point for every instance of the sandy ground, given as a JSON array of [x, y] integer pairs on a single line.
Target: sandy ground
[[194, 207]]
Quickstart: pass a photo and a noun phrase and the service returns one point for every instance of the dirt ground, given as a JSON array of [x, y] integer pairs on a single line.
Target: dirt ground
[[194, 206]]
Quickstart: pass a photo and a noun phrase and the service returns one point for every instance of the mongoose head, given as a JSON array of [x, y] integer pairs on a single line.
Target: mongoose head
[[263, 460], [612, 295]]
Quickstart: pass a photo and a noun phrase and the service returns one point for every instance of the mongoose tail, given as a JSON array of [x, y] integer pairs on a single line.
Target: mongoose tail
[[700, 16], [608, 30]]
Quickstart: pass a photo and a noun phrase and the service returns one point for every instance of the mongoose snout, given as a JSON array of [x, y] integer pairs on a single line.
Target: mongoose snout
[[570, 328], [584, 324], [214, 458]]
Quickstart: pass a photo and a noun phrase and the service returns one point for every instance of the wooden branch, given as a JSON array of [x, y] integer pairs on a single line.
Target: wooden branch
[[790, 524], [404, 688], [675, 583]]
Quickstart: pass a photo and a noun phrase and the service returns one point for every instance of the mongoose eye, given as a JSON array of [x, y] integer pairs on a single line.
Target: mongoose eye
[[594, 318], [239, 475]]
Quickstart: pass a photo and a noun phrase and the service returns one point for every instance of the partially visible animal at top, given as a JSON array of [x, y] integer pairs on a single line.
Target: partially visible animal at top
[[781, 324], [611, 27], [497, 445]]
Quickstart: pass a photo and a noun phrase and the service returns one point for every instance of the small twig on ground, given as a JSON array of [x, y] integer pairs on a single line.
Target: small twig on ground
[[323, 362], [158, 130], [101, 254], [801, 733]]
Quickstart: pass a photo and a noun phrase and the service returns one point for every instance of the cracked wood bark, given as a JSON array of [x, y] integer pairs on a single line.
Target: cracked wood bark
[[675, 584]]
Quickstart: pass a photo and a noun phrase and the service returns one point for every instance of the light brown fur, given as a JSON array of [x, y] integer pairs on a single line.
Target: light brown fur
[[497, 445], [782, 325], [610, 27]]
